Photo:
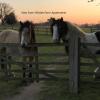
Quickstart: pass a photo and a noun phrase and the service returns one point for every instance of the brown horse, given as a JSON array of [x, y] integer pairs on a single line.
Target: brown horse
[[61, 30], [27, 36]]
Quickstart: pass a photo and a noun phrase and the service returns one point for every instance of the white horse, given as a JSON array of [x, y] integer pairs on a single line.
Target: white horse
[[61, 30], [8, 36], [24, 37]]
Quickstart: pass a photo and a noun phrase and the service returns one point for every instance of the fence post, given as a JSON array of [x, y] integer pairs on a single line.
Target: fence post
[[74, 66], [36, 64]]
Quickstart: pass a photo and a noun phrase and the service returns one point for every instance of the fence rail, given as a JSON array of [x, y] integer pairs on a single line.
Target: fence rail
[[74, 61]]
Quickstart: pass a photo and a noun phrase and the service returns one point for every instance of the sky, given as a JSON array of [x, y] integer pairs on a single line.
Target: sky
[[76, 11]]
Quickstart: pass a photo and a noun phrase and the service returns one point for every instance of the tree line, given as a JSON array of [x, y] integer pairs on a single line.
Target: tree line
[[7, 15]]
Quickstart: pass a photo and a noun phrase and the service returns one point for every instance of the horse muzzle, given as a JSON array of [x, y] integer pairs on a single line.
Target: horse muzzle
[[56, 41], [24, 45]]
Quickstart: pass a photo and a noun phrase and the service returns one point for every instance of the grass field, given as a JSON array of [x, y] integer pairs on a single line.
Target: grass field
[[56, 90]]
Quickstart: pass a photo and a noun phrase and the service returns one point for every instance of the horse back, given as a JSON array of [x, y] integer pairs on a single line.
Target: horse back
[[9, 36]]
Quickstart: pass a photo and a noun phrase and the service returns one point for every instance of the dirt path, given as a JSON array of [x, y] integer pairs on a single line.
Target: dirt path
[[30, 92]]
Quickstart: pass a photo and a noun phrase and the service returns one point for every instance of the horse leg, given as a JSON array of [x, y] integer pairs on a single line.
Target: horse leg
[[3, 59], [2, 51], [24, 67], [10, 73], [97, 71], [2, 65], [66, 47], [30, 67]]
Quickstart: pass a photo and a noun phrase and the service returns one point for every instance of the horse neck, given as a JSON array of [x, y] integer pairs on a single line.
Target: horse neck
[[75, 29], [33, 38]]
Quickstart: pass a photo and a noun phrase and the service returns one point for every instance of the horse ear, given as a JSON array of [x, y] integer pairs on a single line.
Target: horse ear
[[21, 23], [61, 19]]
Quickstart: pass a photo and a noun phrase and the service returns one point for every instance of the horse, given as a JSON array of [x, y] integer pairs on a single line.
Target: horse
[[24, 37], [27, 36], [61, 29], [7, 36]]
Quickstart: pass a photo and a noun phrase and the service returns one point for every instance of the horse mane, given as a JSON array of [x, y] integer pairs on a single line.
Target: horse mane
[[27, 23], [75, 29], [67, 27]]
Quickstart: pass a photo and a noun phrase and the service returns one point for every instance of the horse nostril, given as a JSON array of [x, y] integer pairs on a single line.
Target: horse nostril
[[23, 45]]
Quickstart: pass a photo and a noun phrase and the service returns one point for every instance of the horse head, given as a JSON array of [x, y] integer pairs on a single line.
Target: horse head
[[26, 33], [58, 29]]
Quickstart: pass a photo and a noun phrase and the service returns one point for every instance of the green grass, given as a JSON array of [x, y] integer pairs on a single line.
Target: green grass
[[88, 30], [12, 87], [59, 91], [55, 90], [9, 88]]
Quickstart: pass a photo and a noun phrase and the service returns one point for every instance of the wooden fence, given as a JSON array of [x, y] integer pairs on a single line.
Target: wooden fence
[[74, 60], [17, 51]]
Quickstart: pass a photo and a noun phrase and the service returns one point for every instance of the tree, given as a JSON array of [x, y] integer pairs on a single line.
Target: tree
[[5, 9], [10, 19]]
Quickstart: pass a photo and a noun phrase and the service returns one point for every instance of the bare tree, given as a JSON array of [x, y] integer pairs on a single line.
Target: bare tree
[[5, 9]]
